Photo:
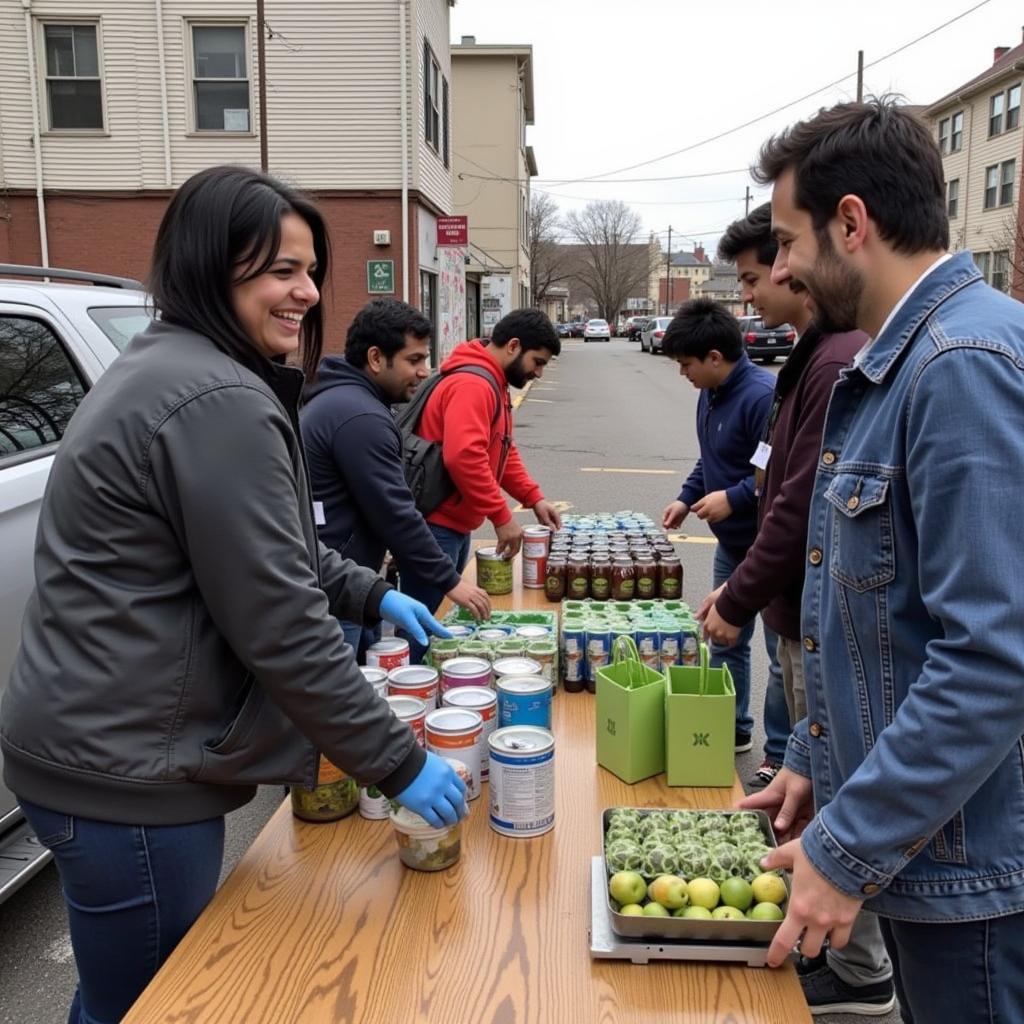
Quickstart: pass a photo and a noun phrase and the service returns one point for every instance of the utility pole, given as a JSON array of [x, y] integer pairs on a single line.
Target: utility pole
[[860, 76], [668, 274], [261, 64], [747, 201]]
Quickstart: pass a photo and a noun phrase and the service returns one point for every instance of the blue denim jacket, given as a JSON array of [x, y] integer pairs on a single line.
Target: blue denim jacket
[[912, 615]]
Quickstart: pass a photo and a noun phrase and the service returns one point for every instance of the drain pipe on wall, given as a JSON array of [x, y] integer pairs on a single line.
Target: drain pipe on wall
[[164, 116], [44, 248], [404, 77]]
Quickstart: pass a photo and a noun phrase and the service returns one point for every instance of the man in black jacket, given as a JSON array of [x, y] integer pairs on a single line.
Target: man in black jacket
[[362, 503]]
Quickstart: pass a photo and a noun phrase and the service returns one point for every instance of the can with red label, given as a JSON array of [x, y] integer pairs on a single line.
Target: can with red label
[[459, 672], [388, 654], [483, 700], [377, 678], [535, 572], [536, 541], [412, 711], [458, 733], [414, 681]]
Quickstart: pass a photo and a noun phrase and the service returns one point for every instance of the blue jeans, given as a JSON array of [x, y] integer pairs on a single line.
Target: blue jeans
[[971, 972], [132, 892], [359, 637], [737, 657], [456, 546]]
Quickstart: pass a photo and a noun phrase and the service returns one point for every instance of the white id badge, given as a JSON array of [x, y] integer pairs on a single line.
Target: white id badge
[[318, 513], [761, 456]]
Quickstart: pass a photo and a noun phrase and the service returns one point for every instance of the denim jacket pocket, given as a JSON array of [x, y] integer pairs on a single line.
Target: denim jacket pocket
[[862, 554], [947, 845]]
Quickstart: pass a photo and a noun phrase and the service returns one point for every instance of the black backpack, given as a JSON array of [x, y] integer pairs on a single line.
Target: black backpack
[[422, 462]]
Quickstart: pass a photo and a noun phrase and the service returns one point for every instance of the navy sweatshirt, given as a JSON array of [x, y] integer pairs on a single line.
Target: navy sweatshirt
[[354, 452], [730, 422]]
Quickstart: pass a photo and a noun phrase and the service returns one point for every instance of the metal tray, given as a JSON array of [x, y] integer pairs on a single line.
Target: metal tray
[[685, 929]]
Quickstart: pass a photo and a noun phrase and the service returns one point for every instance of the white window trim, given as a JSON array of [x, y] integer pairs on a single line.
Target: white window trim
[[953, 132], [431, 63], [42, 78], [190, 77]]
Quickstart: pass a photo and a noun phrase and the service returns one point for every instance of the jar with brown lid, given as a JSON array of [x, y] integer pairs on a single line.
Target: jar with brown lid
[[600, 576], [555, 580], [670, 578], [623, 579], [646, 577], [577, 576]]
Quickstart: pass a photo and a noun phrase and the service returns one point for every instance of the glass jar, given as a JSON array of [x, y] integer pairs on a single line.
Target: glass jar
[[670, 578], [600, 576], [577, 577], [623, 580], [555, 579], [646, 578], [335, 796]]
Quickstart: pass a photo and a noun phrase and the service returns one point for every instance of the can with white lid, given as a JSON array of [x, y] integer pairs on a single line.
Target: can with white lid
[[457, 733], [465, 671], [524, 700], [412, 711], [483, 700], [414, 681], [392, 652], [377, 678], [517, 666], [522, 787]]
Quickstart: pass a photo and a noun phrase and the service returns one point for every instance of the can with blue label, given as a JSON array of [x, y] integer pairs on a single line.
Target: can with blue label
[[671, 644], [573, 656], [648, 645], [522, 762], [690, 649], [524, 700], [599, 652]]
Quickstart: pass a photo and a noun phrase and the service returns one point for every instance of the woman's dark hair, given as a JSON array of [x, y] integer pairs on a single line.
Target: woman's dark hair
[[384, 324], [878, 151], [531, 327], [751, 232], [223, 219], [700, 326]]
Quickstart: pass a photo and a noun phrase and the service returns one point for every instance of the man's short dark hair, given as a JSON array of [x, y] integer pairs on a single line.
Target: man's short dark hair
[[750, 232], [531, 327], [383, 323], [700, 326], [875, 150]]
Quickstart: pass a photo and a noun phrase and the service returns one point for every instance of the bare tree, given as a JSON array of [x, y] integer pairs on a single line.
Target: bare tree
[[547, 256], [612, 265], [1010, 237]]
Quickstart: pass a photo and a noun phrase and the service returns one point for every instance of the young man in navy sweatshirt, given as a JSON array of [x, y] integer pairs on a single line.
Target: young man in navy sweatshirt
[[705, 339]]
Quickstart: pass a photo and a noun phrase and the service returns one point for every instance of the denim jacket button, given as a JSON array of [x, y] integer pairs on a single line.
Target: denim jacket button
[[828, 458], [816, 730], [870, 889], [814, 556], [809, 644], [852, 503]]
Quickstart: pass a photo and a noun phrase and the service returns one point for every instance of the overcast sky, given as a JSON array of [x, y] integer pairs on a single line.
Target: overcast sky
[[619, 83]]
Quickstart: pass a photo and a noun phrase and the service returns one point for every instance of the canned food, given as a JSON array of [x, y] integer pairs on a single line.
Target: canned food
[[599, 650], [388, 654], [493, 634], [522, 780], [493, 572], [529, 633], [515, 667], [524, 700], [648, 644], [459, 632], [373, 804], [412, 711], [415, 681], [574, 656], [535, 572], [510, 647], [423, 847], [536, 542], [475, 649], [544, 653], [484, 701], [671, 644], [443, 650], [465, 672], [377, 678], [457, 732]]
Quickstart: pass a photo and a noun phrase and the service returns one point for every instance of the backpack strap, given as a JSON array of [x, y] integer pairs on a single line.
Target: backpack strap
[[479, 371]]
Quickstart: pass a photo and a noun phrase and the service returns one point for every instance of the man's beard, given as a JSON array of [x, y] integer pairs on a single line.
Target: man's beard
[[515, 374], [837, 291]]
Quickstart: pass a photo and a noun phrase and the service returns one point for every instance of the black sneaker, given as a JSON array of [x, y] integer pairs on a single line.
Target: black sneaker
[[808, 965], [764, 774], [743, 742], [826, 992]]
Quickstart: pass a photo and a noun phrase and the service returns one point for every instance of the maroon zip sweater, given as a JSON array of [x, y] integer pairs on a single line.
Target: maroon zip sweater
[[770, 578]]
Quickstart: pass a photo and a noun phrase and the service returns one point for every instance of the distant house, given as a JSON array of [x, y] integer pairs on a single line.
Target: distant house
[[723, 287], [694, 267]]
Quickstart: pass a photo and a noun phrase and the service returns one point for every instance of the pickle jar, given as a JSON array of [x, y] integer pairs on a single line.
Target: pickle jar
[[335, 795]]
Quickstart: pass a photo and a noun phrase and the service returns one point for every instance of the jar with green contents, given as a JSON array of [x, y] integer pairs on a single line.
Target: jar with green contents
[[442, 650], [545, 653], [335, 795], [511, 647], [476, 649]]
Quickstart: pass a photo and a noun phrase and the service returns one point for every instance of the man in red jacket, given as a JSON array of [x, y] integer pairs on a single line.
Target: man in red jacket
[[464, 414]]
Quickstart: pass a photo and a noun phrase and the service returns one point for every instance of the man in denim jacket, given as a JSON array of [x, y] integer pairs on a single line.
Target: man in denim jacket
[[913, 642]]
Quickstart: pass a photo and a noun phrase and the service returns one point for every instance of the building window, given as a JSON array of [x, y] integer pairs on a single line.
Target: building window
[[1013, 107], [444, 120], [431, 99], [983, 261], [428, 304], [991, 187], [1001, 270], [952, 198], [996, 105], [73, 87], [1007, 173], [220, 78], [944, 136], [956, 134]]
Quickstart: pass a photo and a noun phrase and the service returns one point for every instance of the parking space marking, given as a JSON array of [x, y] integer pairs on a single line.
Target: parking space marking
[[544, 401], [611, 469], [559, 506], [682, 538]]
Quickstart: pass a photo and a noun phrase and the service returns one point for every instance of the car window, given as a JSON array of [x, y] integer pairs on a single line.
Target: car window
[[120, 323], [40, 387]]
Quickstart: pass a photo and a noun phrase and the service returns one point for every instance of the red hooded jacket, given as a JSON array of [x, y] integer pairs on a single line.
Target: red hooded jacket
[[460, 414]]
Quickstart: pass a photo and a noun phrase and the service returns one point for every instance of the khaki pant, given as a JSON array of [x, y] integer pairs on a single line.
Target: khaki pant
[[791, 655]]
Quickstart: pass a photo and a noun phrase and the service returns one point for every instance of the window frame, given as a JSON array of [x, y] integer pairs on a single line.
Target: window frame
[[956, 135], [445, 116], [944, 136], [1014, 109], [953, 198], [190, 73], [432, 78], [991, 184], [983, 261], [995, 117], [1002, 270], [1006, 185], [44, 78]]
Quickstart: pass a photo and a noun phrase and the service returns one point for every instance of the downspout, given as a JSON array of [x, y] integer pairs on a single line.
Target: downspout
[[44, 247], [404, 76], [164, 116]]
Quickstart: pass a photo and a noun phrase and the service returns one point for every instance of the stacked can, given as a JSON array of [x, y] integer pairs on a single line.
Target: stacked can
[[536, 544], [457, 732], [484, 701], [415, 681]]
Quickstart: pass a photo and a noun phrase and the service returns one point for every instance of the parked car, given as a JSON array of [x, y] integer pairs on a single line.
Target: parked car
[[766, 343], [55, 341], [631, 328], [576, 328], [597, 330], [562, 330], [653, 332]]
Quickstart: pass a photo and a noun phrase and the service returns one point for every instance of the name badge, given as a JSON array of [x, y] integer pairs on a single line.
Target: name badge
[[761, 456], [318, 513]]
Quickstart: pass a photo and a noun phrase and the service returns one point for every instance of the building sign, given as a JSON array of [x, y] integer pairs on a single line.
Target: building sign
[[453, 231], [380, 277], [495, 301]]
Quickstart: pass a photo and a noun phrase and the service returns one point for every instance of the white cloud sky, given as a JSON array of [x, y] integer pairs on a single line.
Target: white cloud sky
[[619, 83]]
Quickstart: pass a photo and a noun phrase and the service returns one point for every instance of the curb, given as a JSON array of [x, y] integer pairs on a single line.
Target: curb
[[518, 400]]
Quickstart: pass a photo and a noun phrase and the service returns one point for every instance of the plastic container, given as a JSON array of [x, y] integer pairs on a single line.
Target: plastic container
[[423, 847], [334, 797]]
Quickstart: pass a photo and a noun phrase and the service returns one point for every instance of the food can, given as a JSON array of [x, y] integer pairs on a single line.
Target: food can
[[442, 650], [373, 804], [377, 678], [484, 701], [458, 733], [599, 650], [465, 672], [411, 710], [535, 572], [493, 572], [493, 634], [544, 652], [415, 681], [671, 644], [690, 650], [574, 655], [510, 647], [536, 542], [530, 633], [475, 649], [460, 632], [524, 700], [515, 667], [388, 654], [648, 645], [522, 780]]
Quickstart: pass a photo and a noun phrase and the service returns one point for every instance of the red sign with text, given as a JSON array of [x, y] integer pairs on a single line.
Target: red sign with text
[[453, 231]]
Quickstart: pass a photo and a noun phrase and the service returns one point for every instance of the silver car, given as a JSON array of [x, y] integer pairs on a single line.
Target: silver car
[[597, 330], [55, 341], [652, 334]]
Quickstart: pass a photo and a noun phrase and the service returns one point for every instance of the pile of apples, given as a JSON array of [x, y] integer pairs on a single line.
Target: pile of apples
[[735, 899]]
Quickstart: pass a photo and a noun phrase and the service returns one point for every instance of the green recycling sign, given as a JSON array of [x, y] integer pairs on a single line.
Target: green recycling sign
[[380, 277]]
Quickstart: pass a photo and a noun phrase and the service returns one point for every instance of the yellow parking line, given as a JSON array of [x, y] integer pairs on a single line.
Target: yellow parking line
[[518, 400], [682, 538], [610, 469]]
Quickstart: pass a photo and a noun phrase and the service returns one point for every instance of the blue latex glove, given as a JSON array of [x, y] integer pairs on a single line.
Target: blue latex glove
[[411, 615], [437, 794]]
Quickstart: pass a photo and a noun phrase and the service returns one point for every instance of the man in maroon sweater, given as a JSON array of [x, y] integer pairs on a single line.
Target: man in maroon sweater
[[770, 579]]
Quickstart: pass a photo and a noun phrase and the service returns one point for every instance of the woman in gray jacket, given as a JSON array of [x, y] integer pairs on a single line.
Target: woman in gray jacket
[[182, 643]]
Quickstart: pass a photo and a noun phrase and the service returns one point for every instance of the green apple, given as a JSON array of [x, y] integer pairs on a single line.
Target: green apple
[[703, 892], [656, 910], [727, 913], [700, 912], [681, 912], [632, 910], [766, 912], [627, 887], [768, 888], [737, 892], [670, 891]]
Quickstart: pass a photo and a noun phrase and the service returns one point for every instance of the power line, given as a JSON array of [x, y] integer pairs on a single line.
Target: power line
[[617, 181], [646, 202], [771, 113]]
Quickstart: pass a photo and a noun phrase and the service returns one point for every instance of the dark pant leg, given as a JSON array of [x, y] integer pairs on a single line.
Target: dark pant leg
[[131, 892]]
